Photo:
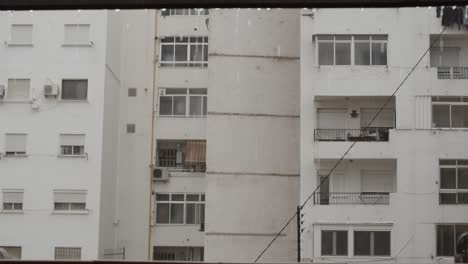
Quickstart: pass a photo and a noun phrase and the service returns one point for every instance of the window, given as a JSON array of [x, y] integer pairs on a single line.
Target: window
[[372, 243], [72, 144], [178, 253], [21, 35], [15, 145], [180, 208], [67, 253], [132, 92], [453, 182], [185, 12], [18, 89], [175, 102], [184, 52], [450, 112], [334, 243], [351, 49], [13, 199], [77, 34], [74, 89], [447, 235], [131, 128], [186, 155], [13, 252], [69, 200]]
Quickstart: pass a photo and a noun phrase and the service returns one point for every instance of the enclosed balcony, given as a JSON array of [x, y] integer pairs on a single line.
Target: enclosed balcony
[[181, 155], [355, 182]]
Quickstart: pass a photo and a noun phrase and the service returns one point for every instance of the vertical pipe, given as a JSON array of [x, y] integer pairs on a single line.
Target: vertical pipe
[[151, 183], [298, 217]]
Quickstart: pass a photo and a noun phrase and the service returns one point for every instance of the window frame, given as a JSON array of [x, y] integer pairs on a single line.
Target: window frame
[[69, 204], [15, 206], [371, 243], [17, 153], [74, 100], [352, 42], [81, 148], [457, 190], [12, 43], [87, 43], [184, 202], [188, 96], [185, 11], [67, 248], [463, 102], [7, 96], [454, 225], [334, 242], [188, 44]]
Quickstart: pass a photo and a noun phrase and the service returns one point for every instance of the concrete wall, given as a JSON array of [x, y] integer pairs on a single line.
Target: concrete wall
[[252, 134]]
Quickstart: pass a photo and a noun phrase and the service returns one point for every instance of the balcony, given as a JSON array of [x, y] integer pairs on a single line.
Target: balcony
[[454, 73], [364, 134], [363, 198], [181, 155]]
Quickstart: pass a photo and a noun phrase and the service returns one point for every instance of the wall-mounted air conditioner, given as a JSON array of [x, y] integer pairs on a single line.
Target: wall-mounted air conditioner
[[160, 174], [2, 91], [51, 90]]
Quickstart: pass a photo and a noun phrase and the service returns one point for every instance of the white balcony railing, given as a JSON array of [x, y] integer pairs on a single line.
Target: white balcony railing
[[457, 73]]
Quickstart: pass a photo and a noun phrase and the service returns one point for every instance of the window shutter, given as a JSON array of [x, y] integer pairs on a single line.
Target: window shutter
[[13, 196], [72, 140], [18, 89], [195, 151], [21, 34], [66, 196], [384, 119], [331, 118], [377, 181], [15, 142], [77, 34]]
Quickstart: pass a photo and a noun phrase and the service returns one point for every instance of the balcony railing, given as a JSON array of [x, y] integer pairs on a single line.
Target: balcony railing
[[366, 198], [363, 134], [457, 73]]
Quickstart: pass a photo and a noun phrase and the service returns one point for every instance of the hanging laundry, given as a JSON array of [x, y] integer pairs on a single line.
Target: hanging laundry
[[465, 18]]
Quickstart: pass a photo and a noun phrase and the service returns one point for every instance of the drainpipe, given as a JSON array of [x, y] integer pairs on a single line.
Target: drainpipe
[[151, 183]]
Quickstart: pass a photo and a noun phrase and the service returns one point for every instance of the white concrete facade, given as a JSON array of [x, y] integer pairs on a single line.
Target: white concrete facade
[[413, 147]]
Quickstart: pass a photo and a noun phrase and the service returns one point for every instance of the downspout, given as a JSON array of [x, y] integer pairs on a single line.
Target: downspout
[[155, 61]]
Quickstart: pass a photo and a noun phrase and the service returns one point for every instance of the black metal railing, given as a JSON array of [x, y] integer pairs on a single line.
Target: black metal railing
[[363, 134], [352, 198], [457, 73]]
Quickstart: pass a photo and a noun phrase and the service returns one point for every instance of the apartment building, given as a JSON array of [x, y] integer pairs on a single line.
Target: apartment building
[[61, 82], [399, 194]]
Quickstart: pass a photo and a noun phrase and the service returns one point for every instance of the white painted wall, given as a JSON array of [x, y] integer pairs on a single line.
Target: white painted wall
[[38, 230], [414, 208]]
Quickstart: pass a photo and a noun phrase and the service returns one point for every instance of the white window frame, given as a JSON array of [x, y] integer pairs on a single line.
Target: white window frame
[[334, 240], [463, 101], [201, 200], [185, 11], [17, 153], [16, 206], [456, 191], [188, 44], [187, 96], [70, 208], [67, 248], [352, 53], [71, 99], [61, 146], [11, 43], [28, 99], [87, 43], [372, 242]]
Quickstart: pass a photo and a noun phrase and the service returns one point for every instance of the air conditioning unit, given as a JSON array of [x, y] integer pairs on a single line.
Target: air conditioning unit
[[160, 174], [50, 90], [2, 91], [162, 92]]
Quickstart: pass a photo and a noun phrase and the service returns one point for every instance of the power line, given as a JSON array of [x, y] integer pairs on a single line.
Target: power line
[[354, 143]]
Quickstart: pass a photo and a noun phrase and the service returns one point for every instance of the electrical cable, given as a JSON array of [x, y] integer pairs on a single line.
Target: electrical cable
[[354, 143]]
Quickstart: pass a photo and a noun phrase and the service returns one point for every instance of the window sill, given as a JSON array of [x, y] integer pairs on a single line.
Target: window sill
[[176, 225], [11, 212], [16, 101], [182, 67], [450, 129], [15, 156], [27, 45], [74, 101], [182, 116], [354, 66], [78, 45], [72, 156], [85, 212]]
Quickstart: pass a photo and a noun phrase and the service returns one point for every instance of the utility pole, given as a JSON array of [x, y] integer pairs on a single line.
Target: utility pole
[[298, 217]]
